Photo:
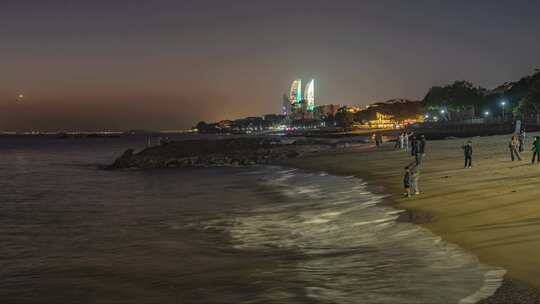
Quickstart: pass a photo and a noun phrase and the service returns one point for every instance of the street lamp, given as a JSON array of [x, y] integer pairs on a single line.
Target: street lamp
[[503, 103], [486, 113]]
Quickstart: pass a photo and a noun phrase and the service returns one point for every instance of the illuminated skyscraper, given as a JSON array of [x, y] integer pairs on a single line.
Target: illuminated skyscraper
[[296, 94], [309, 95]]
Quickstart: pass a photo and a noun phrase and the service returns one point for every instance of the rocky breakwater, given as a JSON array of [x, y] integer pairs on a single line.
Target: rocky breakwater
[[222, 152]]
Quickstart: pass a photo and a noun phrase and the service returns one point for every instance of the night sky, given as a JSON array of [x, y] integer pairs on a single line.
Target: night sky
[[168, 64]]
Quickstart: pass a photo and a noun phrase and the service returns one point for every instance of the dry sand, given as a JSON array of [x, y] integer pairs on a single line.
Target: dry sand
[[492, 209]]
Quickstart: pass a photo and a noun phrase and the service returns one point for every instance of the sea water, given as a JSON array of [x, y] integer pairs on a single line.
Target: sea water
[[73, 233]]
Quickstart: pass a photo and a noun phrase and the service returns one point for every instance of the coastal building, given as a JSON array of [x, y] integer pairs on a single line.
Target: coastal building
[[298, 105], [324, 111], [383, 121], [295, 96], [309, 95]]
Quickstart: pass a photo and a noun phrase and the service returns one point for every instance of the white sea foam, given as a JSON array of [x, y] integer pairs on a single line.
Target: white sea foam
[[354, 250]]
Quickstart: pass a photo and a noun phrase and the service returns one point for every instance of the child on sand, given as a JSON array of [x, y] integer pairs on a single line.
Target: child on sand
[[407, 182]]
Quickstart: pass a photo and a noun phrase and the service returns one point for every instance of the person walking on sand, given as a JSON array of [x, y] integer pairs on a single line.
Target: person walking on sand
[[536, 149], [467, 151], [521, 139], [513, 145]]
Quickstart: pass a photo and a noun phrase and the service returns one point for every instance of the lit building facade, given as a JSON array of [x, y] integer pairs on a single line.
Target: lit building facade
[[309, 95], [295, 97], [300, 106]]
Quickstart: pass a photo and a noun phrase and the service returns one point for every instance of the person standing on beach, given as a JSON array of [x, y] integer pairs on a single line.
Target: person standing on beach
[[406, 140], [402, 140], [378, 139], [536, 149], [513, 145], [420, 151], [414, 145], [415, 176], [521, 138], [467, 150]]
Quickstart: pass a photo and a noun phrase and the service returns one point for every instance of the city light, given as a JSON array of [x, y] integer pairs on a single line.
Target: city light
[[486, 113], [443, 111], [426, 116]]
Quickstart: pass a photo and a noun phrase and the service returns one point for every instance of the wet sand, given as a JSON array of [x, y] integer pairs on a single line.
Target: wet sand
[[492, 209]]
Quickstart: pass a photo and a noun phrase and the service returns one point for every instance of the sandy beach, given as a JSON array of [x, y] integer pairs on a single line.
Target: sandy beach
[[492, 209]]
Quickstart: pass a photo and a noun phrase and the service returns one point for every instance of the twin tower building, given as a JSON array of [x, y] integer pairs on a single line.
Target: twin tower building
[[298, 104]]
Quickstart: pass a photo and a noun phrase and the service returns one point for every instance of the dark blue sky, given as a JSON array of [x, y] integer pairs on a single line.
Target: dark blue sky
[[167, 64]]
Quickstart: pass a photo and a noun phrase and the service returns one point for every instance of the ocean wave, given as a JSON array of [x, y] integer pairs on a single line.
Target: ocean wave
[[353, 248]]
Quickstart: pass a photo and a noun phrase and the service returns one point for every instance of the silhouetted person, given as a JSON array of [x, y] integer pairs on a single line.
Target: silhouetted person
[[407, 182], [378, 139], [536, 149], [514, 148], [467, 151], [414, 145], [521, 139], [420, 150]]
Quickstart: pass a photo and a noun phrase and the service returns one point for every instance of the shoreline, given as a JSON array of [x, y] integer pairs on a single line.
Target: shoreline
[[379, 168]]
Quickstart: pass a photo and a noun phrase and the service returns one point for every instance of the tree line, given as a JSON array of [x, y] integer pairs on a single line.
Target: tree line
[[517, 98]]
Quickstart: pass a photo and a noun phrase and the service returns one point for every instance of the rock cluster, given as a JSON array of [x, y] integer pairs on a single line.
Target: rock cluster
[[210, 153]]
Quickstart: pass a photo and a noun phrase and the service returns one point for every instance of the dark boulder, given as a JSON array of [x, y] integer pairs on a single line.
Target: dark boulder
[[123, 162]]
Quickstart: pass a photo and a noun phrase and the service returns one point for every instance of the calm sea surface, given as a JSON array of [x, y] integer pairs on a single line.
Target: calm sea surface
[[72, 233]]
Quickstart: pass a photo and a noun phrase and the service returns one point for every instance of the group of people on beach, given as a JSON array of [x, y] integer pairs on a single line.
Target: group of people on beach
[[417, 146], [517, 146], [408, 141]]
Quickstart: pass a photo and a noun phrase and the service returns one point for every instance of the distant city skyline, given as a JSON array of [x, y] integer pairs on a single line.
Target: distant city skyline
[[120, 65]]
